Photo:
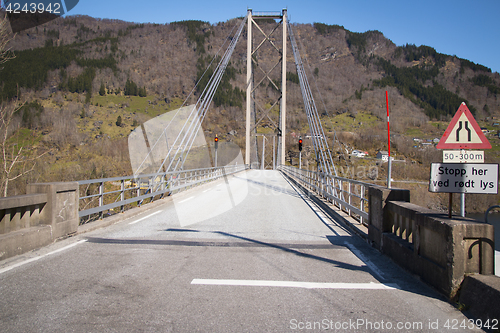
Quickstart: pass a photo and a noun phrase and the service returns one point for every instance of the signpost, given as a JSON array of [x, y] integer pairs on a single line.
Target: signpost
[[460, 171]]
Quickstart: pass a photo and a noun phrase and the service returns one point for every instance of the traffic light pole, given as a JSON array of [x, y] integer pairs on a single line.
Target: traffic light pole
[[216, 140], [300, 152]]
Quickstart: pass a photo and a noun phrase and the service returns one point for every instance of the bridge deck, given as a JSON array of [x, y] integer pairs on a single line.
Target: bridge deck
[[248, 253]]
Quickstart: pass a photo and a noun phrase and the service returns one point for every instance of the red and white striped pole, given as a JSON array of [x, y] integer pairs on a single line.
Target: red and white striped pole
[[389, 167]]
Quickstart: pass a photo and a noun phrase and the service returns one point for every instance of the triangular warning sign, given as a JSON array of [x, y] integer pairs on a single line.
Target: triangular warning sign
[[463, 132]]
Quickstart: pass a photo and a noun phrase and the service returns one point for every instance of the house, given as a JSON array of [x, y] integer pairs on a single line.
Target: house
[[359, 153], [384, 156]]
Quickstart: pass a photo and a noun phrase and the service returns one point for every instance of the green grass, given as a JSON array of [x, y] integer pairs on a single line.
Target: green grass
[[344, 122], [24, 138], [267, 130], [135, 104], [414, 132], [107, 109]]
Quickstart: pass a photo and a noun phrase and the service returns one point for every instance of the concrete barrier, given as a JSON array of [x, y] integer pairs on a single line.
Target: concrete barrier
[[49, 211], [442, 251], [480, 296]]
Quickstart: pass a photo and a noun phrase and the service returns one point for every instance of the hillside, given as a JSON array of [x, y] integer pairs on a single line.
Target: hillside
[[88, 82]]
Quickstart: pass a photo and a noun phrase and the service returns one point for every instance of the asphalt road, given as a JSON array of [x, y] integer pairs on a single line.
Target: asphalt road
[[248, 253]]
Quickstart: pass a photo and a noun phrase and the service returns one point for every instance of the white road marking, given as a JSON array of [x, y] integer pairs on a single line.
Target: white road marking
[[145, 217], [353, 249], [186, 199], [295, 284], [6, 269], [367, 262], [207, 190]]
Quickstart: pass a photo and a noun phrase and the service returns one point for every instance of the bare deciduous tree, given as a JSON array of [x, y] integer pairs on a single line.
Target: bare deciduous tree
[[16, 160]]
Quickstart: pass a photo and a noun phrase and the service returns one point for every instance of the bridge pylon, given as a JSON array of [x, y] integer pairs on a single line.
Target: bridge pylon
[[266, 95]]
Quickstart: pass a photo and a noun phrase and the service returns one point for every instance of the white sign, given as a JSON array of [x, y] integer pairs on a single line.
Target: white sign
[[464, 178], [463, 156]]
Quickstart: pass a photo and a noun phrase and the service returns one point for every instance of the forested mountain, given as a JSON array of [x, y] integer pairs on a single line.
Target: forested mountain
[[168, 59], [79, 74]]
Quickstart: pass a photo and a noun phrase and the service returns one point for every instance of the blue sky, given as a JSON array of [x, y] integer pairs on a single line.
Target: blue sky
[[468, 29]]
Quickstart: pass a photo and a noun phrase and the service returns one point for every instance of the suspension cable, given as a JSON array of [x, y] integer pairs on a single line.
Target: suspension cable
[[200, 108], [320, 142], [189, 129]]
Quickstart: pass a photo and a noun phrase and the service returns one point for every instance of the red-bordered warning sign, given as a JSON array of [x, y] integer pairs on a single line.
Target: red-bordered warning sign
[[463, 132]]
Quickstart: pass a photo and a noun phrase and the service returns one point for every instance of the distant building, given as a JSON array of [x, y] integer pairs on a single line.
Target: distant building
[[359, 153], [383, 155]]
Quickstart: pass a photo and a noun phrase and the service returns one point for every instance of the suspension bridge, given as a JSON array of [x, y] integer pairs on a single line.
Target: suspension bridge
[[242, 243]]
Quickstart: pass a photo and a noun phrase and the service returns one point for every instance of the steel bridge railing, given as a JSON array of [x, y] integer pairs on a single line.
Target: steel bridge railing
[[106, 194], [349, 195]]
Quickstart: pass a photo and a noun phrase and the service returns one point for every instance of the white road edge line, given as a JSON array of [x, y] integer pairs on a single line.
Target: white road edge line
[[367, 262], [186, 199], [6, 269], [296, 284], [145, 217], [353, 249]]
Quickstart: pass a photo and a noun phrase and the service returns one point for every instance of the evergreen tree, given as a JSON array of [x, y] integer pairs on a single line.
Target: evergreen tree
[[102, 90], [88, 97], [131, 88], [119, 121], [142, 92]]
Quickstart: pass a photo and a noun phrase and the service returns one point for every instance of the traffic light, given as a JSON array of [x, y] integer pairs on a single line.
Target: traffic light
[[216, 140], [300, 144]]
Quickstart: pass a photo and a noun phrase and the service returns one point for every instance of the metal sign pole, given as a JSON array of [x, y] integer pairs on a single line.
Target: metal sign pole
[[389, 167], [462, 204], [450, 204]]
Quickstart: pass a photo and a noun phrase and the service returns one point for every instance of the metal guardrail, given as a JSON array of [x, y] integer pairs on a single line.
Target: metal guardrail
[[106, 194], [349, 195]]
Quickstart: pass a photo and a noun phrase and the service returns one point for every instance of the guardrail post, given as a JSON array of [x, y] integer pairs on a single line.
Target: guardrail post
[[139, 191], [349, 198], [122, 195], [101, 198], [362, 203]]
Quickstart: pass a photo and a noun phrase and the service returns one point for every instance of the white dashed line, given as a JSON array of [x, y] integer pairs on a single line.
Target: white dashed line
[[186, 199], [145, 217]]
